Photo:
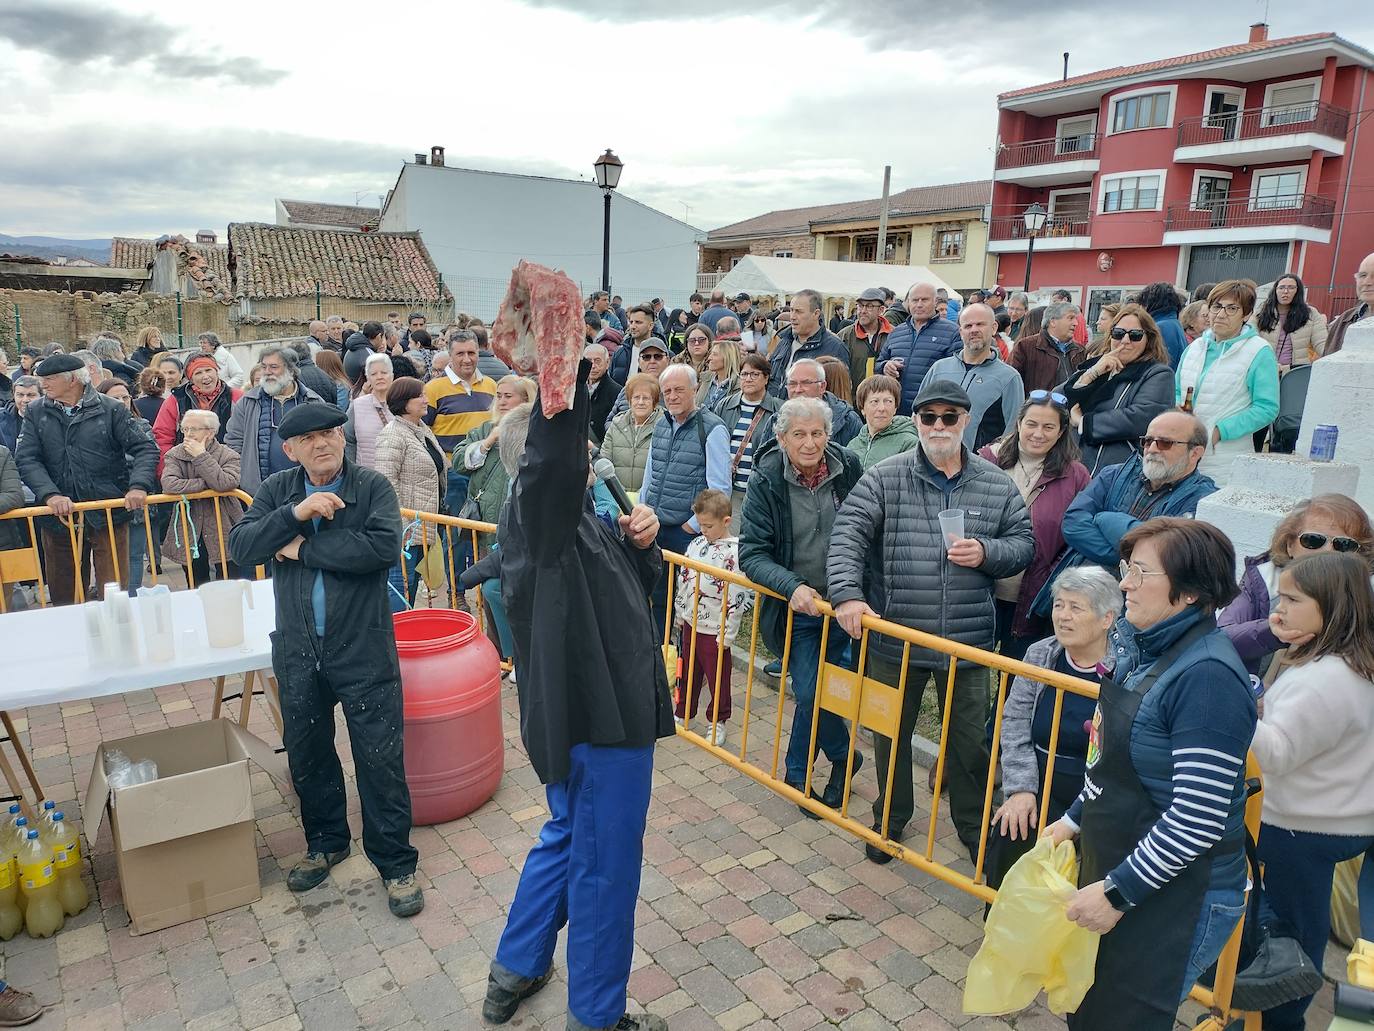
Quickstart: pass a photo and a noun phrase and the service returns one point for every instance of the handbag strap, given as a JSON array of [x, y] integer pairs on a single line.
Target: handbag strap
[[753, 425]]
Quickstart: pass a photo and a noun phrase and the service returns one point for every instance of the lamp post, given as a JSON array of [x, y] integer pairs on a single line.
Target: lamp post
[[608, 168], [1035, 217]]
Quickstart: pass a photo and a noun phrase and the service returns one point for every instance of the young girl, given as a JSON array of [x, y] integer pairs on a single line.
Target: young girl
[[1315, 747], [701, 649]]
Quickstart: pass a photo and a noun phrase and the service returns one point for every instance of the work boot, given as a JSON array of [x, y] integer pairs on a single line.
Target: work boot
[[403, 896], [833, 794], [501, 1001], [18, 1008], [313, 869], [1279, 973], [877, 855]]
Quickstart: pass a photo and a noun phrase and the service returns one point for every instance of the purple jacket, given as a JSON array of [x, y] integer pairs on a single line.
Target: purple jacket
[[1048, 501], [1246, 620]]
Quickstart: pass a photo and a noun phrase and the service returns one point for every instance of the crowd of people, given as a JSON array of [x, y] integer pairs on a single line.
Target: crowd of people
[[976, 467]]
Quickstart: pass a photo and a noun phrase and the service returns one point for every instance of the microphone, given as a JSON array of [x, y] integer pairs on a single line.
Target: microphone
[[605, 472]]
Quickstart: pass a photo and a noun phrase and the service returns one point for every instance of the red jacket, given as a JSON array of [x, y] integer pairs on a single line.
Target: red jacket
[[167, 426]]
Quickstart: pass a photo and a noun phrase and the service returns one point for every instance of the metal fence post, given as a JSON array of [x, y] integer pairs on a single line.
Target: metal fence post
[[180, 342], [317, 300]]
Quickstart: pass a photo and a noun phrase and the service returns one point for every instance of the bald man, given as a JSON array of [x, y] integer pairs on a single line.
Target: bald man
[[994, 387], [1364, 306]]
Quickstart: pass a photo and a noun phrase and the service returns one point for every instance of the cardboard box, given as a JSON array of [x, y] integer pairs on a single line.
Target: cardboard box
[[184, 843]]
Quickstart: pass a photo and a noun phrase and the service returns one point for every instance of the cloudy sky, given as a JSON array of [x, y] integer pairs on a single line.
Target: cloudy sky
[[140, 118]]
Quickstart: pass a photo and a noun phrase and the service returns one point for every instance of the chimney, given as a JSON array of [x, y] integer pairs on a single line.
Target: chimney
[[436, 156], [206, 236], [1259, 32], [420, 159]]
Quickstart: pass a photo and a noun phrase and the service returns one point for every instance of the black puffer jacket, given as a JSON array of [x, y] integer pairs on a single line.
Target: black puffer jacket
[[1118, 411], [356, 349], [98, 453], [886, 550], [765, 540]]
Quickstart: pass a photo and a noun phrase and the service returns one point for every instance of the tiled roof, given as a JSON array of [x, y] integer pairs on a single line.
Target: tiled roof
[[1125, 71], [945, 197], [130, 252], [345, 216], [280, 261]]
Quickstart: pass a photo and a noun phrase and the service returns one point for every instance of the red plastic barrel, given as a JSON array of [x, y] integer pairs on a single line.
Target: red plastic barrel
[[454, 740]]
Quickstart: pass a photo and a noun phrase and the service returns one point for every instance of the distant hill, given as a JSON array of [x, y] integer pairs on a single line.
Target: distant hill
[[56, 247]]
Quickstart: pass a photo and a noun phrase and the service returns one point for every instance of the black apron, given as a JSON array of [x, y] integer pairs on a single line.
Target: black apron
[[1142, 960]]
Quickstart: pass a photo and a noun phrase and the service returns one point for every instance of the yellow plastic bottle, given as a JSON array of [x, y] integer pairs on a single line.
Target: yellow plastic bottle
[[66, 860], [38, 881], [11, 920], [17, 830]]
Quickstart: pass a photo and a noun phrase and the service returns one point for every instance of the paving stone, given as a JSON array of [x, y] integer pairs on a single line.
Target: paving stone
[[712, 990]]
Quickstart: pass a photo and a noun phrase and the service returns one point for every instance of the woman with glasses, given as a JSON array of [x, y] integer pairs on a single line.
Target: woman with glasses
[[1296, 332], [1114, 395], [1229, 378], [1160, 821], [1313, 745], [758, 336], [1041, 457], [1327, 522], [748, 414]]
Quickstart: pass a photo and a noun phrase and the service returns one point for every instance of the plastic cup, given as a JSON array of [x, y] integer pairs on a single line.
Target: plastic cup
[[952, 525]]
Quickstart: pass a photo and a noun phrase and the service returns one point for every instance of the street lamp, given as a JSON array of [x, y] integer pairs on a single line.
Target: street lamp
[[1035, 217], [608, 168]]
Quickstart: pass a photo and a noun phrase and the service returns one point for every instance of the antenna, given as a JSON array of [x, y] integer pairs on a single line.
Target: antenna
[[686, 211]]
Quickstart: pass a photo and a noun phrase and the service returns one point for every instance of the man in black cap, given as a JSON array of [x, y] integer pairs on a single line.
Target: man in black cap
[[332, 530], [77, 444], [866, 335], [743, 306], [940, 580]]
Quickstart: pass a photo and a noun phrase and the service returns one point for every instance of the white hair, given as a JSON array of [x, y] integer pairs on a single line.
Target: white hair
[[1098, 586], [375, 358], [592, 349], [200, 413], [810, 363], [803, 409], [690, 372]]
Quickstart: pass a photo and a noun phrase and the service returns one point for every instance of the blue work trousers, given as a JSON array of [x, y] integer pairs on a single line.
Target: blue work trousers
[[584, 872]]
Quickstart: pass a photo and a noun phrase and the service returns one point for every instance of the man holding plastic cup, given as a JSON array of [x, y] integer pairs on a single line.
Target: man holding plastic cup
[[921, 540]]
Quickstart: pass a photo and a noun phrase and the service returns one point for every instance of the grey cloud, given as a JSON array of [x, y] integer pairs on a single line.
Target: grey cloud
[[76, 34]]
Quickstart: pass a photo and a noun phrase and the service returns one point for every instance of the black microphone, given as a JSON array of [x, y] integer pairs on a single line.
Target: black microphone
[[605, 472]]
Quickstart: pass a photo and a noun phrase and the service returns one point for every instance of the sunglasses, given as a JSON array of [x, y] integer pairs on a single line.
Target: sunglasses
[[1317, 541], [1163, 443], [1136, 335], [1041, 396], [944, 418]]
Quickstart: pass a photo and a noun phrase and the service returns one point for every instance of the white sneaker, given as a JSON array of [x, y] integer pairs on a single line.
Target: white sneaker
[[717, 735], [681, 723]]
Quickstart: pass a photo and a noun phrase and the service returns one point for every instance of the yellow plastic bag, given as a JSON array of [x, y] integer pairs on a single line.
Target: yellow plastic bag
[[1028, 942], [1345, 906]]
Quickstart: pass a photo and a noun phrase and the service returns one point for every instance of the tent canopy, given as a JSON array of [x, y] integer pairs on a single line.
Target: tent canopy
[[758, 274]]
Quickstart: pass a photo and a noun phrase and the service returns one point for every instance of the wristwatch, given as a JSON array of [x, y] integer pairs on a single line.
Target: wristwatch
[[1119, 901]]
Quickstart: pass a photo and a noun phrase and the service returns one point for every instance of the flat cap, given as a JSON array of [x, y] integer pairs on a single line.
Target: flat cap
[[310, 417], [943, 391], [58, 363], [873, 293]]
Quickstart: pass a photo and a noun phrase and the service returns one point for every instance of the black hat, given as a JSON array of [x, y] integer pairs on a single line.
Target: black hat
[[57, 363], [742, 296], [943, 391], [309, 418], [30, 352], [873, 293]]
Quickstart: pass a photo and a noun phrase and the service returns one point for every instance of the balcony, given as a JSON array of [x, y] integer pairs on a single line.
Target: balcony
[[1263, 134], [1052, 162], [1063, 232], [1251, 219]]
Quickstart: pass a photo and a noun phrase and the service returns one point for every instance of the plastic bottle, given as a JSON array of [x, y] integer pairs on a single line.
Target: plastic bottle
[[11, 919], [44, 821], [66, 860], [19, 831], [38, 882]]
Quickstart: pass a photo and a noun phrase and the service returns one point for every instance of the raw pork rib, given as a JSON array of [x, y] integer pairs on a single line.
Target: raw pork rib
[[540, 327]]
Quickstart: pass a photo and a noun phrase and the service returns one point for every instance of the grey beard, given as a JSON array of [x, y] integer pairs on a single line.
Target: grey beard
[[274, 385]]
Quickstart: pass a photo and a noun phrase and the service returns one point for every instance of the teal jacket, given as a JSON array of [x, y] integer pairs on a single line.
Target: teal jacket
[[1262, 380]]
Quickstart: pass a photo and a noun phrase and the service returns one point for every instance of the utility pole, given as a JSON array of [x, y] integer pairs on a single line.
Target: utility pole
[[882, 213]]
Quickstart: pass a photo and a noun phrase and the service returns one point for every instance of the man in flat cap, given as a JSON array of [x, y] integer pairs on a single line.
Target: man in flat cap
[[331, 530], [77, 444], [937, 581]]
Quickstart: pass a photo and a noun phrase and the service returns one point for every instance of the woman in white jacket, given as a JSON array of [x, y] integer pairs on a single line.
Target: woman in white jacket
[[1315, 747]]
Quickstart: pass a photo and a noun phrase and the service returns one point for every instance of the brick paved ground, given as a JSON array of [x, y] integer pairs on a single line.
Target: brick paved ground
[[734, 927]]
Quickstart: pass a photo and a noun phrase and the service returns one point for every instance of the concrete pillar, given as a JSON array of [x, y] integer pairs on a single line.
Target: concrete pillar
[[1342, 393]]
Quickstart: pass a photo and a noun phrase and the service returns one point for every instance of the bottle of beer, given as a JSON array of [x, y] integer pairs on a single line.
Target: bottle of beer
[[1187, 405]]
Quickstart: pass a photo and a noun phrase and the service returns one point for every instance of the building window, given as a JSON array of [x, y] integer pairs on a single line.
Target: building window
[[736, 260], [1076, 135], [1288, 105], [947, 243], [1280, 189], [1131, 193], [1144, 111], [782, 254]]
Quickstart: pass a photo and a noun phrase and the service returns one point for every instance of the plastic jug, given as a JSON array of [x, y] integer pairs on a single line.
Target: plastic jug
[[119, 624], [66, 860], [43, 915], [11, 919], [223, 601], [155, 611], [98, 645]]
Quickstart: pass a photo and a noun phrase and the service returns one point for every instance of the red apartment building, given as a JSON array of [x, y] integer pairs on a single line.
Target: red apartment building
[[1245, 161]]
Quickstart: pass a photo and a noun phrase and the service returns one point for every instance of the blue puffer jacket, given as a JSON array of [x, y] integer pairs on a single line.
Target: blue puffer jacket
[[678, 466], [919, 349]]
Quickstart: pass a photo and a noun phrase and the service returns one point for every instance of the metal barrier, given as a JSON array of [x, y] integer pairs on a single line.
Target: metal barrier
[[861, 700]]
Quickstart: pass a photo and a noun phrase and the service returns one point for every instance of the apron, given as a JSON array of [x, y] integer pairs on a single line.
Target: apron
[[1141, 961]]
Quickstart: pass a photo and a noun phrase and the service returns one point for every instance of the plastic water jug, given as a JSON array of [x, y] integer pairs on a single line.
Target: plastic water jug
[[98, 646], [155, 610], [119, 616], [223, 601]]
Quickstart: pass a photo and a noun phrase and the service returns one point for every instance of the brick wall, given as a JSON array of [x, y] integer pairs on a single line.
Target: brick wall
[[803, 245]]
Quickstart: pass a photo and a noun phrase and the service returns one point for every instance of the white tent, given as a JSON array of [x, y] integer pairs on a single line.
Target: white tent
[[780, 277]]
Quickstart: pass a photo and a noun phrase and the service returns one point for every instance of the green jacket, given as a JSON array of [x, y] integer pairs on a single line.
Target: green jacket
[[900, 435], [487, 486]]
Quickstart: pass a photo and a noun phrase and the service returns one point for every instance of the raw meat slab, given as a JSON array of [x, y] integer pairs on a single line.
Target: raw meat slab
[[540, 329]]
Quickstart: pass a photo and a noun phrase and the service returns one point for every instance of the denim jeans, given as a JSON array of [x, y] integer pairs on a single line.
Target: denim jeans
[[491, 594], [832, 736], [1221, 909]]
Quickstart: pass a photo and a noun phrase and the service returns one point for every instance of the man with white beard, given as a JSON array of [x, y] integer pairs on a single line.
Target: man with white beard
[[256, 415]]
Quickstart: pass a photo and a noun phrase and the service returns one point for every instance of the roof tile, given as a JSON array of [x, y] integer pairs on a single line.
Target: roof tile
[[345, 216], [282, 261], [132, 252], [944, 197]]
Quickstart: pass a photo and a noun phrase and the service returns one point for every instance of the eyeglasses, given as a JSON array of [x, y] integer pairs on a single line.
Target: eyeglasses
[[1136, 335], [1132, 573], [1163, 443], [870, 304], [945, 418], [1041, 396], [804, 382], [1229, 309], [1317, 541], [750, 374]]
